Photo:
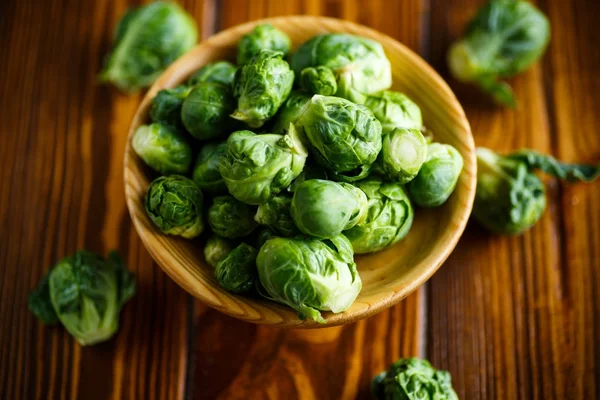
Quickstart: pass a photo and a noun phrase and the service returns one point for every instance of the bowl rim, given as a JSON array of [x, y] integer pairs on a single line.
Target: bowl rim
[[395, 294]]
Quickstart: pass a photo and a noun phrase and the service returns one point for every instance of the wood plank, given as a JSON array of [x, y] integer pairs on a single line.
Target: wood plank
[[233, 359], [501, 309], [61, 149], [574, 96]]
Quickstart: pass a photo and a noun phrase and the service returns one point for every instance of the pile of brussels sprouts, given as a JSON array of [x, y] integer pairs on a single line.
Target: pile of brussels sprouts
[[293, 166]]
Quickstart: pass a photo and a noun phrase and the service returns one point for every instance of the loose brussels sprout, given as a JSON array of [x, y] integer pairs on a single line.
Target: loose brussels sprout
[[262, 37], [289, 112], [309, 275], [394, 110], [505, 38], [403, 152], [359, 64], [206, 171], [221, 72], [231, 218], [318, 80], [510, 198], [174, 204], [162, 148], [216, 249], [205, 111], [237, 272], [344, 137], [147, 40], [257, 167], [388, 219], [413, 379], [275, 214], [261, 87], [324, 209], [437, 178], [86, 294], [166, 105]]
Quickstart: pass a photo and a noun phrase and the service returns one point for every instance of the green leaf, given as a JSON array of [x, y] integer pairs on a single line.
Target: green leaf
[[551, 166], [40, 305]]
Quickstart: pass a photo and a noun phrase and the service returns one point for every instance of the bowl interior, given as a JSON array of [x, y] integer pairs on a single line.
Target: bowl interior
[[388, 276]]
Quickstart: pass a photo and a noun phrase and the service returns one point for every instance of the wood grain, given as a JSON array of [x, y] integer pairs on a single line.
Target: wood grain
[[515, 318], [61, 189], [511, 318]]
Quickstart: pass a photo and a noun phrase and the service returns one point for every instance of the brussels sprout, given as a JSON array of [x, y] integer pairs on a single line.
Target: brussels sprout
[[388, 219], [324, 209], [261, 87], [505, 38], [318, 80], [162, 148], [359, 64], [437, 178], [221, 72], [275, 214], [257, 167], [205, 111], [262, 37], [394, 110], [403, 152], [174, 204], [289, 112], [166, 105], [147, 40], [86, 294], [413, 379], [206, 171], [344, 137], [510, 198], [237, 272], [216, 249], [309, 275], [231, 218]]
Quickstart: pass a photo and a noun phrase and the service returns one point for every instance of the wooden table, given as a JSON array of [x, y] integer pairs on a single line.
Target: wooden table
[[510, 317]]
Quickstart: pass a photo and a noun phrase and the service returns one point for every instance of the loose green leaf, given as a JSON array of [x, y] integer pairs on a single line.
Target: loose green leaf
[[551, 166], [40, 305]]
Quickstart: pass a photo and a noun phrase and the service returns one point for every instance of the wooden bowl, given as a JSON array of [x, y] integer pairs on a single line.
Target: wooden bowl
[[388, 276]]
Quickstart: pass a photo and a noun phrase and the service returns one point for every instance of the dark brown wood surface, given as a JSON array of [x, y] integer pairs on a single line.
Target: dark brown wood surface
[[511, 318]]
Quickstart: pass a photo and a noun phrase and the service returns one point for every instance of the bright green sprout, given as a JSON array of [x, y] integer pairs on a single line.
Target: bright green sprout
[[261, 87], [162, 148], [309, 275], [388, 220], [258, 167], [324, 209], [262, 37], [174, 204], [437, 177]]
